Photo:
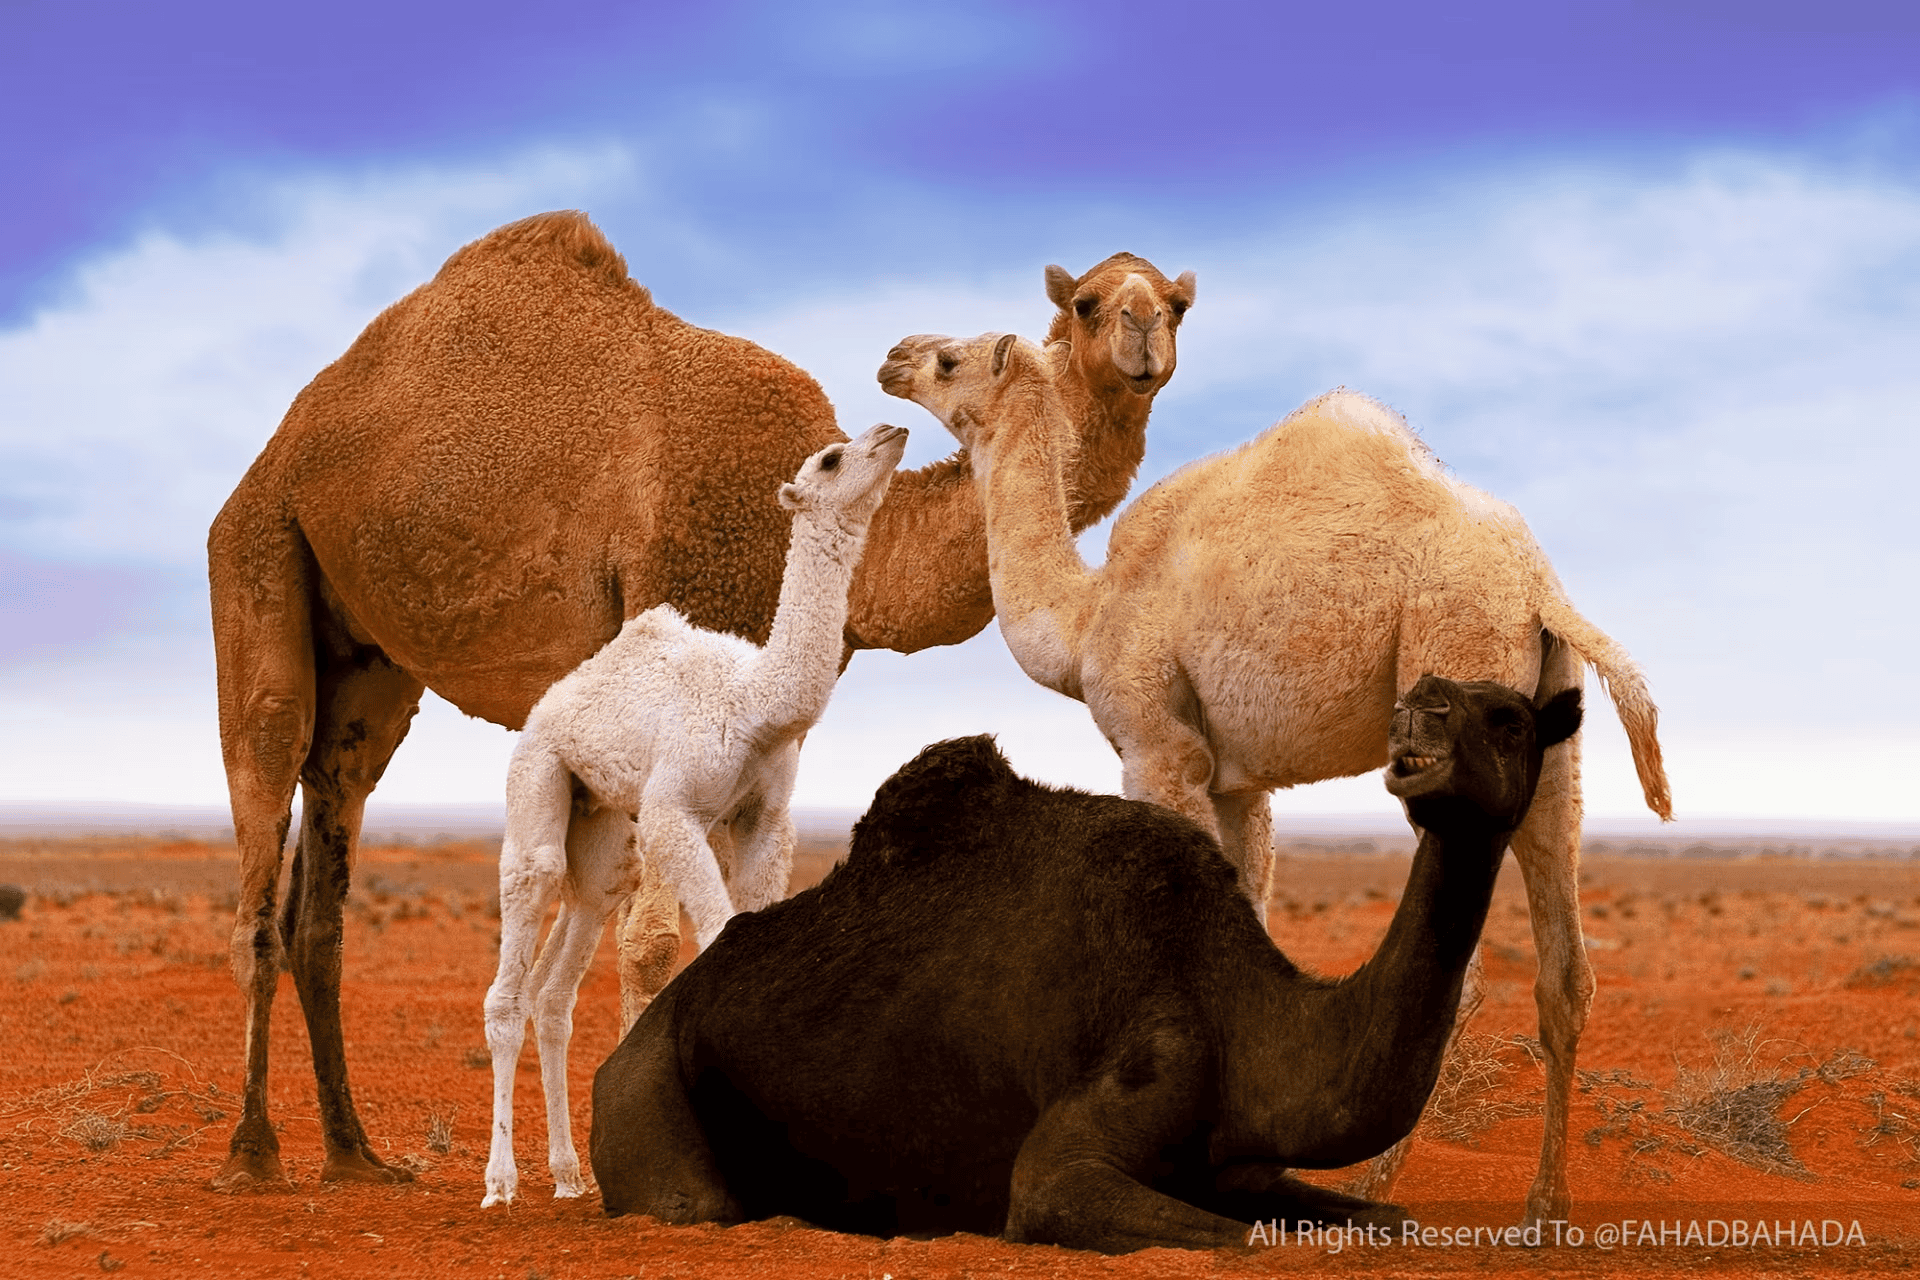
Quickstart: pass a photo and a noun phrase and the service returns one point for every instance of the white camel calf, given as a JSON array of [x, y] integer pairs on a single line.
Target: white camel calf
[[688, 731]]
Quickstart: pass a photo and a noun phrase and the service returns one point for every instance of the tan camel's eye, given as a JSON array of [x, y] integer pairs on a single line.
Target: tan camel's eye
[[830, 461], [1083, 307], [948, 362], [1179, 307]]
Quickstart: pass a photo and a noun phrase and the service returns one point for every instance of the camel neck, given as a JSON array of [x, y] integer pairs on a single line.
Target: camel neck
[[923, 579], [793, 676], [1350, 1064], [1111, 427], [1041, 586]]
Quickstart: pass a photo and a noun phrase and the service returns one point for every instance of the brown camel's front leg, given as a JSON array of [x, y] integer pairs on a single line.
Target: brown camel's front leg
[[364, 713]]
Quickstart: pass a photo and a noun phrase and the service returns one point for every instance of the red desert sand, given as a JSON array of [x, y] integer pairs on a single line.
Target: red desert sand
[[1748, 1100]]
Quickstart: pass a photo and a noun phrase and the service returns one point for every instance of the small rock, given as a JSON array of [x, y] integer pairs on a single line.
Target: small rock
[[12, 898]]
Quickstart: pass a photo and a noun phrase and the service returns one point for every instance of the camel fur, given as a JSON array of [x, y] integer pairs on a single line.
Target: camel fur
[[1054, 1016], [505, 466], [686, 730], [1257, 615]]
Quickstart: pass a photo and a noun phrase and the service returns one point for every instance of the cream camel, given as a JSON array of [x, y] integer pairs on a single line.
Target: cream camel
[[1257, 615], [507, 464], [686, 730]]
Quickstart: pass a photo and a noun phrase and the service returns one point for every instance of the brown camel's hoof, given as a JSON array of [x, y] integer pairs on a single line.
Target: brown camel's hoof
[[361, 1166], [252, 1171]]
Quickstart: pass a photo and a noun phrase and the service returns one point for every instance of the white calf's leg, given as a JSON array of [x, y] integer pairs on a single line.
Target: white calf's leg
[[598, 856], [677, 842], [649, 942], [533, 862], [765, 863]]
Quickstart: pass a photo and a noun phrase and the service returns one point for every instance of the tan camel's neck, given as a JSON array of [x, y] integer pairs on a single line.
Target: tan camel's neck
[[1041, 586]]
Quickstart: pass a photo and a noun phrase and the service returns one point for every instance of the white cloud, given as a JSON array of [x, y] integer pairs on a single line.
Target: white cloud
[[135, 402], [1697, 382]]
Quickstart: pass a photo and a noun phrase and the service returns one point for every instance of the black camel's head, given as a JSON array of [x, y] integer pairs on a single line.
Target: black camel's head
[[1470, 753]]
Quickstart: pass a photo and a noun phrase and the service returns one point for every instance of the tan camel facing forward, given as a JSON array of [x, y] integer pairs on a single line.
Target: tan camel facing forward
[[505, 466], [1257, 615]]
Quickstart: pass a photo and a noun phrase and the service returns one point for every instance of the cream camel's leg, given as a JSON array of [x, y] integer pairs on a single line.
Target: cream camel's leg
[[533, 862], [678, 843], [1163, 759], [365, 706], [1246, 837], [603, 872], [1548, 849], [264, 646], [649, 941]]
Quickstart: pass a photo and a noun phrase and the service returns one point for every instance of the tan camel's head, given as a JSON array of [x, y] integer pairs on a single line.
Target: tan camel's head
[[849, 480], [973, 385], [1120, 317]]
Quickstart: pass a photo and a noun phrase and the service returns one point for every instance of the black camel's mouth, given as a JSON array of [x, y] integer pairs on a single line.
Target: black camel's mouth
[[1409, 766]]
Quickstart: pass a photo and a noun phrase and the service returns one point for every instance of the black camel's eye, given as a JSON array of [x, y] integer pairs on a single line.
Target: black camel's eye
[[947, 361], [1083, 307], [1179, 307], [829, 461]]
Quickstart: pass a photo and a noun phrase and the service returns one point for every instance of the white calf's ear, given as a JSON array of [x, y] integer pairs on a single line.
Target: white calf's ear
[[790, 496]]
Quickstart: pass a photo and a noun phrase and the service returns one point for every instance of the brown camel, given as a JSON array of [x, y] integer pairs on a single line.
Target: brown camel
[[505, 466], [1257, 614]]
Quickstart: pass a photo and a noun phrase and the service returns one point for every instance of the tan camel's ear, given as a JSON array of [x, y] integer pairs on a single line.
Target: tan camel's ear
[[1060, 354], [1060, 284], [1000, 352], [790, 496]]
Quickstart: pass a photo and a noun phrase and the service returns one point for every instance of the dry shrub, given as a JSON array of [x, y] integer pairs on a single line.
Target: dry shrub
[[100, 1110], [94, 1131], [1730, 1105], [1883, 972], [1895, 1119], [1464, 1101], [1733, 1104], [59, 1232], [440, 1131]]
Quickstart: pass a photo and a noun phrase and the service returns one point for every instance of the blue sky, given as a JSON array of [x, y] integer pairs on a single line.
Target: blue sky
[[1650, 271]]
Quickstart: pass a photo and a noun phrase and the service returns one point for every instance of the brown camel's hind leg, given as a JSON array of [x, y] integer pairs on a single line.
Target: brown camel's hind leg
[[263, 642], [365, 706]]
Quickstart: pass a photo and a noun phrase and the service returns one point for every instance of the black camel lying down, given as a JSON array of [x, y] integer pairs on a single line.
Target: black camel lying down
[[1032, 1011]]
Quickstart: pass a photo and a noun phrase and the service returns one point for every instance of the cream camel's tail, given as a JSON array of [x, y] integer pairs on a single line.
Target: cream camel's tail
[[1625, 685]]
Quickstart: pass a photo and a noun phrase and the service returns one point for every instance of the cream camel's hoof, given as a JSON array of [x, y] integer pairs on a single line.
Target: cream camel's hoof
[[498, 1194], [569, 1188], [252, 1172]]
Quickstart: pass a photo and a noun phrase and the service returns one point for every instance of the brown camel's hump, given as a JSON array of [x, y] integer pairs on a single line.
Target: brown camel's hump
[[564, 235]]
